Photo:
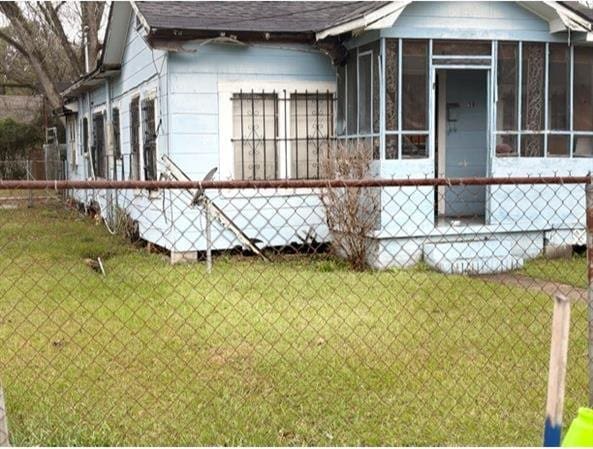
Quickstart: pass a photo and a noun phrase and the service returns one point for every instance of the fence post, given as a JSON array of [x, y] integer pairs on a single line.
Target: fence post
[[208, 239], [557, 371], [589, 214], [4, 436], [29, 177]]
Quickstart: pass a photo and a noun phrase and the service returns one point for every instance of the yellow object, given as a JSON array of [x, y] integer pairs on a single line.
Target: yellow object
[[580, 432]]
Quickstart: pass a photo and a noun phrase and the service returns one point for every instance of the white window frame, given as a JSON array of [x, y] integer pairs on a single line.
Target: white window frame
[[226, 90]]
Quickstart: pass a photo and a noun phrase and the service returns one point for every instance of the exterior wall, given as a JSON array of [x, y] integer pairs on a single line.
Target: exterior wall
[[144, 74], [194, 87], [201, 83]]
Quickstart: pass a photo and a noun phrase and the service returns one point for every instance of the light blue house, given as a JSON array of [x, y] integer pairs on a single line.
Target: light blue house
[[259, 90]]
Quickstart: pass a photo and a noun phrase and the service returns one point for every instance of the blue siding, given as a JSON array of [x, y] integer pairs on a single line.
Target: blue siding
[[194, 80], [471, 20]]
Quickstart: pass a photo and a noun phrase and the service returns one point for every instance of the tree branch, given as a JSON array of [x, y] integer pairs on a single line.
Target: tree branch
[[10, 41], [52, 19]]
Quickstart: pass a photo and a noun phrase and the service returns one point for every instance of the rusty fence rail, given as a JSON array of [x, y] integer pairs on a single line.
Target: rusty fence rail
[[291, 312]]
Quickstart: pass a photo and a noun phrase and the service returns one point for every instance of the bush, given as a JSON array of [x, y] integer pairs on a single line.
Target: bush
[[351, 213], [16, 139]]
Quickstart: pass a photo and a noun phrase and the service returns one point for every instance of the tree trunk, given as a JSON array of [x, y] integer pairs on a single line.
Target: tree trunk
[[24, 34]]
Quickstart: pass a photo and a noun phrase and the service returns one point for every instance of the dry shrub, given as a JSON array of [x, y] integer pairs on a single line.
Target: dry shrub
[[351, 212]]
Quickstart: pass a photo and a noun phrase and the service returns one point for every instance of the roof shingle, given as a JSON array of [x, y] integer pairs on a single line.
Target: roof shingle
[[262, 16]]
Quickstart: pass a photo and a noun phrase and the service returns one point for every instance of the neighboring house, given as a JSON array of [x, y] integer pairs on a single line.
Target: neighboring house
[[258, 90]]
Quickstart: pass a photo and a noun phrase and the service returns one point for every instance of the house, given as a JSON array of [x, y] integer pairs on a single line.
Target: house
[[185, 87]]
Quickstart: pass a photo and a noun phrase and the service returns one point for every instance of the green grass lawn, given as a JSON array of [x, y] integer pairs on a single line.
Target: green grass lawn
[[571, 271], [300, 351]]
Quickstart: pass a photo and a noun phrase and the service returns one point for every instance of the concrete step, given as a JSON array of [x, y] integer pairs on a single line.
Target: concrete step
[[472, 257]]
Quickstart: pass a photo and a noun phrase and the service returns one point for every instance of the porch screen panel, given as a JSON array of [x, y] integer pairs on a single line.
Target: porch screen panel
[[255, 131], [341, 110], [375, 47], [365, 96], [414, 99], [506, 145], [352, 93], [506, 110], [533, 98], [583, 89], [391, 146], [558, 90], [558, 145], [414, 146], [461, 47], [311, 120], [415, 85], [391, 75]]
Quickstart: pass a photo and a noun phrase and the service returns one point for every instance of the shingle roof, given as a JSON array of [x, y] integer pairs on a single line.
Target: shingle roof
[[263, 16], [579, 8]]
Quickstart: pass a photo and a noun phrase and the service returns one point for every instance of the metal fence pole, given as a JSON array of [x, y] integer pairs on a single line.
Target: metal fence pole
[[29, 178], [4, 435], [208, 239], [589, 212]]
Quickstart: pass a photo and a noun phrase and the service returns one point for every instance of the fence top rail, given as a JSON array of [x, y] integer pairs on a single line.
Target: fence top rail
[[291, 183]]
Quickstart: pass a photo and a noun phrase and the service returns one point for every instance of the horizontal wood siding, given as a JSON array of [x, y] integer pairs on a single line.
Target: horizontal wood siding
[[471, 20]]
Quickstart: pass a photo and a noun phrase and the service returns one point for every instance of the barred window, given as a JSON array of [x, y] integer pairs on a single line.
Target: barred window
[[149, 142], [135, 138], [116, 136], [281, 136], [311, 120], [98, 148], [255, 132]]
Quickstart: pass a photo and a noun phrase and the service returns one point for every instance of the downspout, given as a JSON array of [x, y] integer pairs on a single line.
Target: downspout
[[109, 127]]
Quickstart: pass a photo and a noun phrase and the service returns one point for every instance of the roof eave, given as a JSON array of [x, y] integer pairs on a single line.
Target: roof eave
[[172, 34], [379, 18], [91, 80]]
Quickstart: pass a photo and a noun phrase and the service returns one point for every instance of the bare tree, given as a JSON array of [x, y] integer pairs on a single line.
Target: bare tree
[[351, 212], [37, 33]]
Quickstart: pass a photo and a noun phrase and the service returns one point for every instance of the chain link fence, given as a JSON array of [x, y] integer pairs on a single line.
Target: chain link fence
[[366, 312]]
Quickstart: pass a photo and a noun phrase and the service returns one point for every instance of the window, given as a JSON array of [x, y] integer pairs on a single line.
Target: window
[[266, 146], [98, 148], [116, 133], [135, 138], [149, 142], [255, 132], [310, 118]]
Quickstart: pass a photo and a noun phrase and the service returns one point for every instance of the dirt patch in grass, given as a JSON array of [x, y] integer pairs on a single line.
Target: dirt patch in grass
[[537, 285]]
